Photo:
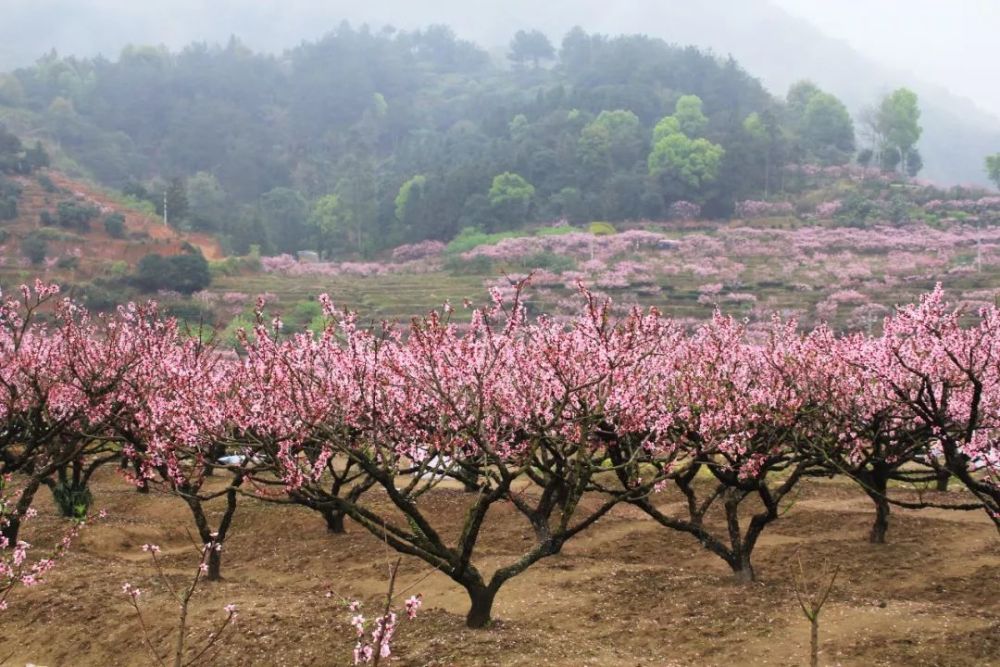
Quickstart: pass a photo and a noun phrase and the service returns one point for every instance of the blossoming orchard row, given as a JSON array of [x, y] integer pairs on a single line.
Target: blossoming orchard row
[[360, 422]]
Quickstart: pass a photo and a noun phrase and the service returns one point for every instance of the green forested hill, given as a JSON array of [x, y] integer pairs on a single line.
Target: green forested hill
[[363, 140]]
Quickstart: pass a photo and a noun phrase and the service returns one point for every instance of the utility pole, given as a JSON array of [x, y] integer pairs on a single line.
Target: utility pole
[[164, 208]]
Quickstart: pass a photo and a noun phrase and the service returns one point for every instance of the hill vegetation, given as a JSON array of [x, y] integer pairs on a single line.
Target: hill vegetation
[[363, 140]]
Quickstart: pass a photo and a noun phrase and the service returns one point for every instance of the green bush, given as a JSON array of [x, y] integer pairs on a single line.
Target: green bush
[[856, 210], [47, 184], [230, 266], [34, 248], [73, 501], [9, 193], [104, 296], [550, 261], [114, 225], [72, 214], [50, 234], [68, 262], [186, 273], [190, 311], [556, 231], [601, 228], [229, 337], [470, 237], [468, 267]]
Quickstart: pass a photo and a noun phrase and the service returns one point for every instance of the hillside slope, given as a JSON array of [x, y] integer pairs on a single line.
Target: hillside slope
[[95, 251]]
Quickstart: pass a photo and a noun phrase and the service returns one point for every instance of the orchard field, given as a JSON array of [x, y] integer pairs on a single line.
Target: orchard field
[[599, 488], [389, 350], [623, 593]]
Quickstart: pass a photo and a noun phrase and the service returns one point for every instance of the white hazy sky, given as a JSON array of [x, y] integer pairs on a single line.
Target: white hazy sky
[[954, 43]]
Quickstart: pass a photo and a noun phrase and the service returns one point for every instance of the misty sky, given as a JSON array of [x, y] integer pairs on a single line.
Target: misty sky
[[953, 43], [947, 42]]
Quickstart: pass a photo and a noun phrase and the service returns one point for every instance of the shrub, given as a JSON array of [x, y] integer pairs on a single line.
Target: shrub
[[76, 215], [68, 262], [114, 225], [73, 502], [34, 248], [8, 208], [50, 234], [190, 311], [302, 316], [9, 193], [47, 184], [46, 218], [550, 261], [471, 237], [187, 273], [104, 296], [558, 230], [118, 268], [601, 228], [461, 266], [230, 266], [856, 210]]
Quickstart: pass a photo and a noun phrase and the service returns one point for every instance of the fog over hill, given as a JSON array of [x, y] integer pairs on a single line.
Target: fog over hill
[[771, 39]]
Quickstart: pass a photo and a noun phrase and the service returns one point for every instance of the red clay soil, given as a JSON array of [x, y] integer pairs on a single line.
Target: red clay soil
[[148, 234], [625, 592]]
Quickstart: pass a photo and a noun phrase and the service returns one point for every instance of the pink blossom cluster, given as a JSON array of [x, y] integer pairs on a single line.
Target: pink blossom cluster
[[380, 635], [290, 266], [828, 209], [421, 250], [808, 259], [967, 205], [608, 387], [837, 172], [683, 210], [749, 209], [17, 566], [580, 245]]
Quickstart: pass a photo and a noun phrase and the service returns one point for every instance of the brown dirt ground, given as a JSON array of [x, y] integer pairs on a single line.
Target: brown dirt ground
[[625, 592]]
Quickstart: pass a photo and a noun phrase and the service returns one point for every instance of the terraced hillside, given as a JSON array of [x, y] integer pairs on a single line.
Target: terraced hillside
[[93, 251]]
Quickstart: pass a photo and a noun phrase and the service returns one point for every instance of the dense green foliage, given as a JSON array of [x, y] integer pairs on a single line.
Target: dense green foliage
[[364, 140], [114, 225], [893, 128], [34, 248], [993, 168], [75, 215], [9, 193], [185, 273], [16, 159]]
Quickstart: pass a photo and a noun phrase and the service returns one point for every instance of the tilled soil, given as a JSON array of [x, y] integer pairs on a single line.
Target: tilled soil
[[625, 592]]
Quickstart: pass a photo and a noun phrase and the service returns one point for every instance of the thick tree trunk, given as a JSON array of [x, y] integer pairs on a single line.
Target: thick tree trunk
[[334, 520], [881, 524], [482, 605], [13, 527], [743, 569], [214, 566], [942, 480], [206, 534], [876, 487], [740, 548]]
